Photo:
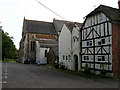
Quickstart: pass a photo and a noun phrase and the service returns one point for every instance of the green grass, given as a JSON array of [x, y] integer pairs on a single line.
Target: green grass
[[80, 74], [77, 73], [8, 60]]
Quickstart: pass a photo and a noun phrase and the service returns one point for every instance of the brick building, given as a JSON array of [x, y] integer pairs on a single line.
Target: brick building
[[35, 31]]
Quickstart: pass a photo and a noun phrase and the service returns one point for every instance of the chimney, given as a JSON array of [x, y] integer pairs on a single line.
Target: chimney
[[119, 4]]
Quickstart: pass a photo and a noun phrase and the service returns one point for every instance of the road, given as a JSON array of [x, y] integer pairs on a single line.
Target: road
[[32, 76]]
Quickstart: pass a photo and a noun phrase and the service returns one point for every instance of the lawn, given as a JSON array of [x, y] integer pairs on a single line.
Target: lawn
[[8, 60], [80, 74]]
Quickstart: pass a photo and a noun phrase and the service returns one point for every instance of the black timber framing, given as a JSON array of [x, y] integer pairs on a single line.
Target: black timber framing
[[93, 38], [97, 24]]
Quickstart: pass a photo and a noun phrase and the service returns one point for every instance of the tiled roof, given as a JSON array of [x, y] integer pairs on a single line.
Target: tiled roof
[[59, 24], [79, 24], [112, 13], [70, 26], [39, 27], [43, 36]]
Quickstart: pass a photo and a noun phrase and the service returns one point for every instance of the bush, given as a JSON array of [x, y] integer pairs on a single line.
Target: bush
[[56, 65], [86, 69]]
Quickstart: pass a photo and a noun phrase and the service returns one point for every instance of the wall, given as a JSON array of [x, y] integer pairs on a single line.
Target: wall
[[40, 53], [65, 47], [101, 28], [76, 46], [116, 48]]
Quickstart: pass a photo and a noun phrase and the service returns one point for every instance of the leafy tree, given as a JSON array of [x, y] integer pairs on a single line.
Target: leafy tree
[[8, 47]]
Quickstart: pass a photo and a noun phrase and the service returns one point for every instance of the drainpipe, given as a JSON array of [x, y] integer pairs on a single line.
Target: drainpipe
[[119, 4], [71, 53]]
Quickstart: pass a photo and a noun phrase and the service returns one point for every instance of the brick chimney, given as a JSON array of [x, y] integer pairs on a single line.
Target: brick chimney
[[119, 4]]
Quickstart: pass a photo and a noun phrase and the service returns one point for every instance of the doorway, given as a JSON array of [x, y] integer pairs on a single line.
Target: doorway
[[76, 62]]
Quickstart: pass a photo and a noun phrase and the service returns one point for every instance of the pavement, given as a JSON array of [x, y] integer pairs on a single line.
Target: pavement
[[20, 75]]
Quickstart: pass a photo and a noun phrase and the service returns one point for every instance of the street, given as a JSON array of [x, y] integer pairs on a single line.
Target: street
[[17, 75]]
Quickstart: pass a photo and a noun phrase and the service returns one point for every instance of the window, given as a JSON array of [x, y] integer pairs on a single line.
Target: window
[[87, 23], [101, 58], [89, 43], [101, 41], [66, 57], [69, 57], [75, 38], [45, 53], [33, 45], [86, 58], [63, 57], [101, 17]]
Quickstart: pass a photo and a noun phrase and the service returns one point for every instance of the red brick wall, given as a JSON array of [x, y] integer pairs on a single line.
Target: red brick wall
[[51, 57], [115, 49]]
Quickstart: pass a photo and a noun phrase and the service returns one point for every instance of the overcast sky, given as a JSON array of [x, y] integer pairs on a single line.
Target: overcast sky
[[12, 12]]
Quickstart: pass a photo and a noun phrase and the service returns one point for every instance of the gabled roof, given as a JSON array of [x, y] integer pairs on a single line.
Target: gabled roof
[[59, 24], [70, 26], [39, 27], [79, 24], [112, 13]]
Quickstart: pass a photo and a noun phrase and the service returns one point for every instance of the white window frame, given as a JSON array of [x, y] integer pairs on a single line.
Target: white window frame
[[88, 43], [66, 57], [87, 57], [63, 57], [100, 57], [100, 40]]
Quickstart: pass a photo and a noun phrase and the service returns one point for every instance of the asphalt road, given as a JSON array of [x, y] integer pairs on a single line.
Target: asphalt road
[[33, 76]]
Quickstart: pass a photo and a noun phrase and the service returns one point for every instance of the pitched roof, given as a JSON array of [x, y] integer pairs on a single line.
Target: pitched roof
[[79, 24], [39, 27], [59, 24], [112, 13], [70, 26]]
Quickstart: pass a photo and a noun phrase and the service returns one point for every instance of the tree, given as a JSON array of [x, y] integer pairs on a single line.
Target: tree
[[8, 47]]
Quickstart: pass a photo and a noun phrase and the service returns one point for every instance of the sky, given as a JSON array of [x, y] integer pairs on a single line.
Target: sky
[[12, 12]]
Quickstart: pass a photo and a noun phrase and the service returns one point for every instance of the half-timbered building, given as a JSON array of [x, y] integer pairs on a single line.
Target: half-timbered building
[[99, 40]]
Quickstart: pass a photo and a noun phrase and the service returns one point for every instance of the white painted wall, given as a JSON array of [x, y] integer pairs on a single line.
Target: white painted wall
[[37, 51], [65, 46], [40, 53], [76, 46], [43, 59]]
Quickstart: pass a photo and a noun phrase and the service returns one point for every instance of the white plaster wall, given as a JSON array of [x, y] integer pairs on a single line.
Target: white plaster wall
[[37, 51], [76, 47], [40, 53], [43, 59], [65, 46], [107, 41]]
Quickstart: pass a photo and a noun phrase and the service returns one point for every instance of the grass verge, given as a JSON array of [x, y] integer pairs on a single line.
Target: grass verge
[[81, 74], [8, 60]]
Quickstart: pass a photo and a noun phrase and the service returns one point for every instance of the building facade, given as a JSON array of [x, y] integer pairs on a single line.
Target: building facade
[[69, 46], [99, 40], [35, 32]]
